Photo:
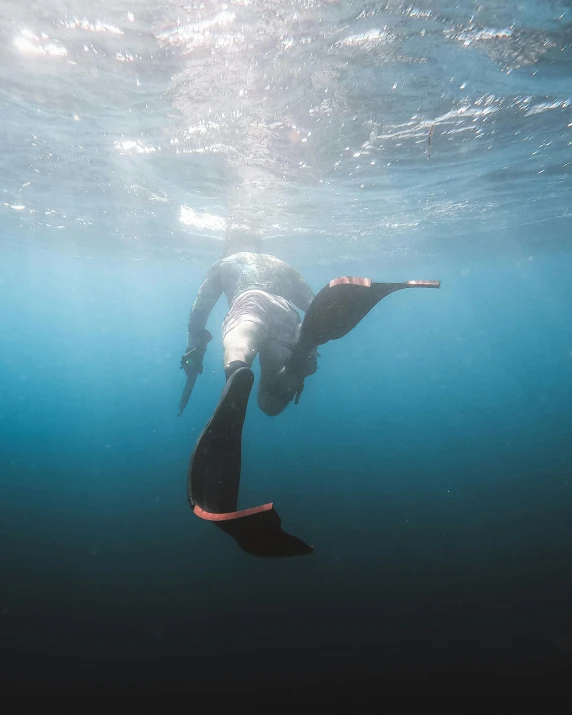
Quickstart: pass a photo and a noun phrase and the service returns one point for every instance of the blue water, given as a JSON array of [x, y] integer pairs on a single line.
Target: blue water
[[428, 461]]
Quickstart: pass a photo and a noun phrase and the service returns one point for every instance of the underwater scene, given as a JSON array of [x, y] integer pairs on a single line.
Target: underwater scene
[[275, 172]]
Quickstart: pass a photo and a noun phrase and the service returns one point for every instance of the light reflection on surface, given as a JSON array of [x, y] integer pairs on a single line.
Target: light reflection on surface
[[299, 118], [96, 26], [28, 42], [131, 145], [201, 220]]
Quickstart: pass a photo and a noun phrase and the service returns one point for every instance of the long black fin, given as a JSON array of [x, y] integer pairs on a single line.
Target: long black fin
[[340, 306]]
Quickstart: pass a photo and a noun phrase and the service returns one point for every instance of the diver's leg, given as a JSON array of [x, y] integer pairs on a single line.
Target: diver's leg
[[274, 391], [214, 471], [241, 344]]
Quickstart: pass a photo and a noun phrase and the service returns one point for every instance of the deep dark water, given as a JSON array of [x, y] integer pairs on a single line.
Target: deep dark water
[[428, 462]]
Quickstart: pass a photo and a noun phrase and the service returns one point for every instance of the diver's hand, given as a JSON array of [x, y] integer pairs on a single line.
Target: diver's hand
[[303, 367], [297, 370], [192, 360]]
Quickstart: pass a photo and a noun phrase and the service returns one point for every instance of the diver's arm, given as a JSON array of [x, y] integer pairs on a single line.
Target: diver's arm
[[209, 292]]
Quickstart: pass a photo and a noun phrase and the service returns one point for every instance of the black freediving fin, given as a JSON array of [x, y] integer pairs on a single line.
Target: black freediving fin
[[214, 479], [339, 307]]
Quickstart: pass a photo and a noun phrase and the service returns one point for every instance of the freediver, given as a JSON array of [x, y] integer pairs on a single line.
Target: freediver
[[264, 295]]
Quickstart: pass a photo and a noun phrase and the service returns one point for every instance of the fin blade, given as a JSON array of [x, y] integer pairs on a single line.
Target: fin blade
[[344, 303], [214, 470]]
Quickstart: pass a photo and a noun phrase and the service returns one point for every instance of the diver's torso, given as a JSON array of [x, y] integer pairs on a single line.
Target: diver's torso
[[246, 271]]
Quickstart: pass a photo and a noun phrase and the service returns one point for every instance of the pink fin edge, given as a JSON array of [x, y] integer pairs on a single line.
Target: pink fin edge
[[350, 280], [229, 516]]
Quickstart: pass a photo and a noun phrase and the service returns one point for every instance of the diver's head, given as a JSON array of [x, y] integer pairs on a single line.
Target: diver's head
[[239, 240]]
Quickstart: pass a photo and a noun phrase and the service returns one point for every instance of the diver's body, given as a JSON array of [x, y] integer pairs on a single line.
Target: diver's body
[[264, 295]]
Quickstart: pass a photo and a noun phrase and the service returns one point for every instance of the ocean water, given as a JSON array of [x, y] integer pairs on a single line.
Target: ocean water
[[428, 461]]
